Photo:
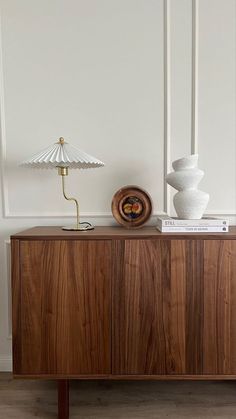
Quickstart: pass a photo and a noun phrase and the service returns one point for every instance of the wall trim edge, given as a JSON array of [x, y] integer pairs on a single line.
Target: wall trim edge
[[167, 103], [5, 363]]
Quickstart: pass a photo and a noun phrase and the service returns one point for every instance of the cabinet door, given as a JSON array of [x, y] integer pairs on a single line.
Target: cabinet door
[[174, 307], [219, 338], [64, 308]]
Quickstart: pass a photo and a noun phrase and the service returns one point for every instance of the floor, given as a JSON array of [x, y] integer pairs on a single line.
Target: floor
[[119, 400]]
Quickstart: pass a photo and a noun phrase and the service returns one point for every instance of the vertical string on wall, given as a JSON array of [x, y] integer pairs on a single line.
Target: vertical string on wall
[[166, 5], [194, 122]]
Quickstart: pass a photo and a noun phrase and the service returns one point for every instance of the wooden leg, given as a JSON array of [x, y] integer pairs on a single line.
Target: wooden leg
[[63, 399]]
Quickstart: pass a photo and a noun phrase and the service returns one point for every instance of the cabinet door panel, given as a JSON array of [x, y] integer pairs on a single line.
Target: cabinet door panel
[[149, 308], [65, 307], [174, 307], [219, 345]]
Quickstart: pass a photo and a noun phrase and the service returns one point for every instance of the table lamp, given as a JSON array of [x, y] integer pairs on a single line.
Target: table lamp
[[64, 156]]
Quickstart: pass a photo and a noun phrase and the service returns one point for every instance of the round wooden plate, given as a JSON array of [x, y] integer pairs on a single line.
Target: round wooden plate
[[131, 206]]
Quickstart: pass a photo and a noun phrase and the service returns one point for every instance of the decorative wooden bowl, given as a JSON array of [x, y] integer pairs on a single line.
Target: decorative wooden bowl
[[131, 206]]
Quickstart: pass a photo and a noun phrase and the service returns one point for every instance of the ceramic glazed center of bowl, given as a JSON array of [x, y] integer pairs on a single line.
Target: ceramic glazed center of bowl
[[132, 207]]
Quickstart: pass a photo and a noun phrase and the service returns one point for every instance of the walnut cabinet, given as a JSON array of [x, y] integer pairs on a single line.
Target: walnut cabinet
[[114, 303]]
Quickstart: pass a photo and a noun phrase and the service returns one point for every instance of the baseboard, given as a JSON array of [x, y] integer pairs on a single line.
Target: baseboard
[[5, 363]]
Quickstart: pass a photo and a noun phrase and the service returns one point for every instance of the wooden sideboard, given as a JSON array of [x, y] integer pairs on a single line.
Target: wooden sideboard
[[123, 304]]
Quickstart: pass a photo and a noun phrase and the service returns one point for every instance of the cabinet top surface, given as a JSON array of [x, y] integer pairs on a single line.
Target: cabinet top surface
[[56, 233]]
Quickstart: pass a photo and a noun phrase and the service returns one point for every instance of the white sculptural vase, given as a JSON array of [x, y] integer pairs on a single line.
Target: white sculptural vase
[[189, 202]]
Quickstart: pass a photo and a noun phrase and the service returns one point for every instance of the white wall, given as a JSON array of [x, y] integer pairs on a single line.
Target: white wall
[[136, 83]]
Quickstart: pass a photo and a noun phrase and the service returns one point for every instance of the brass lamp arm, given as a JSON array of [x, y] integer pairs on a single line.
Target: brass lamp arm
[[63, 171], [70, 199]]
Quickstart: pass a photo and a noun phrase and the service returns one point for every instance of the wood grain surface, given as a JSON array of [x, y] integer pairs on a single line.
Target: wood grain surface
[[219, 343], [127, 377], [193, 262], [101, 233], [149, 335], [16, 304], [63, 399], [174, 306], [131, 308], [65, 307]]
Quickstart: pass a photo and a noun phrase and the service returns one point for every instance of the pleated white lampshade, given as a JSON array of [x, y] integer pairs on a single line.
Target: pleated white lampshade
[[62, 154]]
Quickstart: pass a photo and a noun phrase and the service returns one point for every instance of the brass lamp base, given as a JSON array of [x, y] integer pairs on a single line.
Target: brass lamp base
[[80, 227]]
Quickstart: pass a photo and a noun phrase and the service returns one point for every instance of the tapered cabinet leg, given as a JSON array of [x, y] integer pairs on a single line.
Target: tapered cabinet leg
[[63, 399]]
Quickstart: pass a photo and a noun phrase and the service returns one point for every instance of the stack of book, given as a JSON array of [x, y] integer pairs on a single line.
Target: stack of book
[[167, 224]]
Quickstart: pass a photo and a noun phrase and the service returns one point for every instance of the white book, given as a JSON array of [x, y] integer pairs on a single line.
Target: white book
[[166, 221], [193, 229]]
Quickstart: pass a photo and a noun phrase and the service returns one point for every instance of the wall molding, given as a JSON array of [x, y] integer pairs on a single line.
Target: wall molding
[[8, 214], [221, 213], [4, 189], [167, 103], [47, 214], [194, 92], [95, 215], [5, 363], [98, 215]]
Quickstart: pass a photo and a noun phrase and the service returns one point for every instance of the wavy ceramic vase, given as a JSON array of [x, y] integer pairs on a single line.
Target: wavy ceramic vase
[[189, 202]]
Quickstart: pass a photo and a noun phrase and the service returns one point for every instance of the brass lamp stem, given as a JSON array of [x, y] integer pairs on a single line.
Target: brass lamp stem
[[63, 171], [70, 199]]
